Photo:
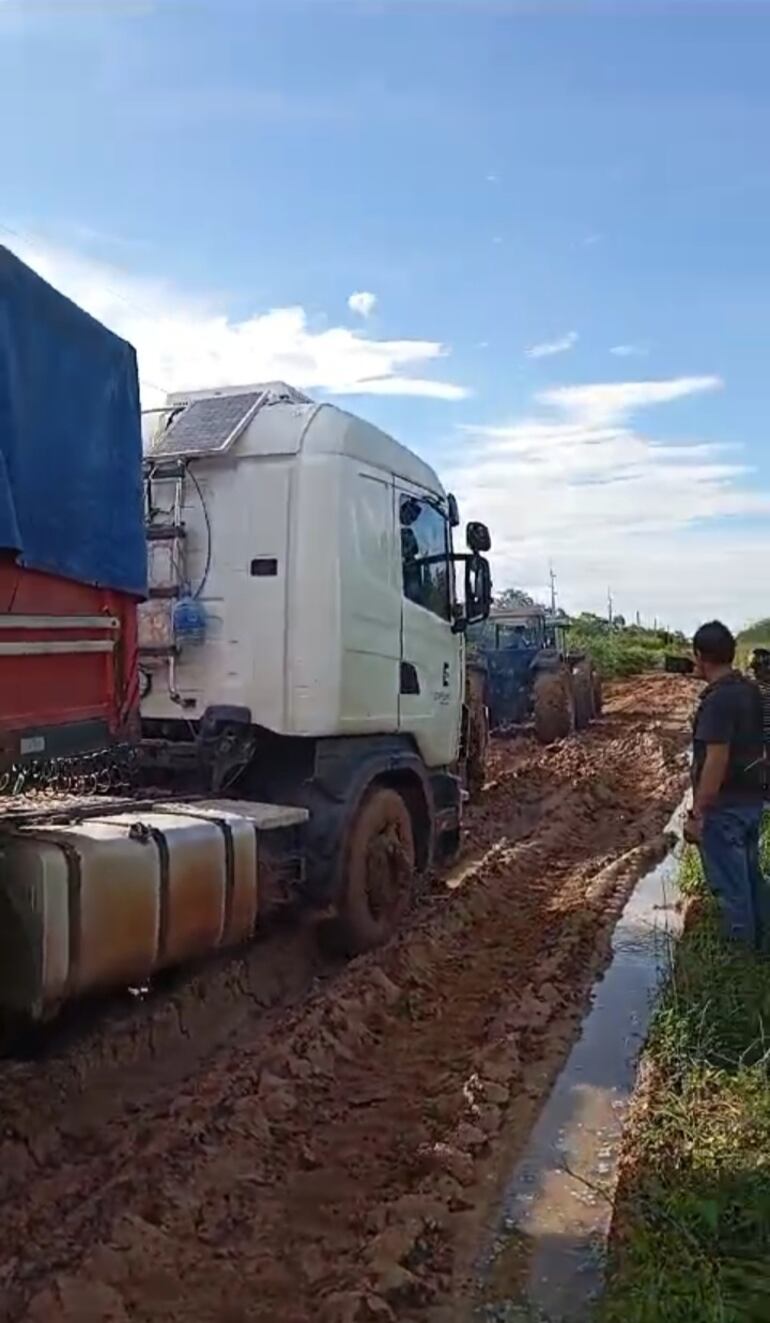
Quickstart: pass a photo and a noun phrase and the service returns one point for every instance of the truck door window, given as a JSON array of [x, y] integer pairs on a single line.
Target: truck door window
[[424, 534]]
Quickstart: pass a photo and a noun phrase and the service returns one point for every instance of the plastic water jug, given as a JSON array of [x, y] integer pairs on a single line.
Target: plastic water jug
[[189, 621]]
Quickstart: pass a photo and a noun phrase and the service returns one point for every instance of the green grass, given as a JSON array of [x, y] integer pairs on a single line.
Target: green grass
[[694, 1216]]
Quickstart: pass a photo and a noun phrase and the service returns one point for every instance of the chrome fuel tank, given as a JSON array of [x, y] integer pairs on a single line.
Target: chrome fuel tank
[[108, 902]]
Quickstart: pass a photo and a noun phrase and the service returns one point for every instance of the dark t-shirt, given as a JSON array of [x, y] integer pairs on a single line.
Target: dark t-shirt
[[730, 712]]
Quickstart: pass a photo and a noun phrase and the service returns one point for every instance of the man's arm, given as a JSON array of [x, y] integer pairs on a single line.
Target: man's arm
[[711, 778]]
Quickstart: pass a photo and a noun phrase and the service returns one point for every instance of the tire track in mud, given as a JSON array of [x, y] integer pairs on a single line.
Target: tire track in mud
[[332, 1161]]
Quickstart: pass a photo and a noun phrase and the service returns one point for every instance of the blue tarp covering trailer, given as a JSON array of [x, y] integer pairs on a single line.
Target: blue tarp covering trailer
[[71, 500]]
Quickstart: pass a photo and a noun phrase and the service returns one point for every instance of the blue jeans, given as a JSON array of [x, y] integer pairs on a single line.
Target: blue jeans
[[730, 853]]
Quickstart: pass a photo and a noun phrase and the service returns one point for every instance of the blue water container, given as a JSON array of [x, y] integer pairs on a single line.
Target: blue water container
[[189, 621]]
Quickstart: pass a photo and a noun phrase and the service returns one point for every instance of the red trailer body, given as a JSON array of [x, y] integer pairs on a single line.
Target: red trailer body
[[73, 555], [68, 666]]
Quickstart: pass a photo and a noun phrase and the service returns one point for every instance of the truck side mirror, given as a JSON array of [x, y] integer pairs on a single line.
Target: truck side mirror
[[478, 589], [453, 512], [477, 538]]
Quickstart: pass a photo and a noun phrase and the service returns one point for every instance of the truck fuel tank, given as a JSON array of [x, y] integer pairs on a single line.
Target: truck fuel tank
[[107, 902]]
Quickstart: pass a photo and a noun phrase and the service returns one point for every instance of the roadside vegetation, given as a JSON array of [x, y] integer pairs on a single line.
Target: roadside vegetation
[[754, 636], [618, 649], [615, 647], [692, 1230]]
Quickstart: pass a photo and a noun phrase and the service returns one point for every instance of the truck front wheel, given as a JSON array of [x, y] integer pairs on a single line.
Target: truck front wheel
[[378, 874]]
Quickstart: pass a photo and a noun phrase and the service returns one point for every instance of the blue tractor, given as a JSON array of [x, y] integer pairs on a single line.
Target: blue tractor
[[530, 675]]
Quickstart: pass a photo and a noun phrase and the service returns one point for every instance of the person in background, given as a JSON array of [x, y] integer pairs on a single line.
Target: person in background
[[728, 792], [759, 665]]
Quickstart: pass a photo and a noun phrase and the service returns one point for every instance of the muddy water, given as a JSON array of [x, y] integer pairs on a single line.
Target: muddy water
[[546, 1261]]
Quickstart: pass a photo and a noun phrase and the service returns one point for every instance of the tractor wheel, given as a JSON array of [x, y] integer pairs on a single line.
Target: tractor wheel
[[554, 706], [478, 746], [378, 873], [583, 681], [598, 694]]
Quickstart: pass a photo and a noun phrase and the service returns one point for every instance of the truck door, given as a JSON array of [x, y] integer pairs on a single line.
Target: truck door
[[431, 679]]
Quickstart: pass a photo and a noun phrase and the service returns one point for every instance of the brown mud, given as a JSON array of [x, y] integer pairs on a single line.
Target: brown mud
[[273, 1140]]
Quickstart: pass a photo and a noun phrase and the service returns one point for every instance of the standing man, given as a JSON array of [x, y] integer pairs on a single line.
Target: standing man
[[727, 785]]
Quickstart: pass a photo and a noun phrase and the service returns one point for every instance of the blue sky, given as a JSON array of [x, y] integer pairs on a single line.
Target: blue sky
[[538, 198]]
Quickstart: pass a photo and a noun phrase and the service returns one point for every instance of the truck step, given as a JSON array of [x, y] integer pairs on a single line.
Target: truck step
[[159, 470], [165, 592], [165, 532], [159, 650]]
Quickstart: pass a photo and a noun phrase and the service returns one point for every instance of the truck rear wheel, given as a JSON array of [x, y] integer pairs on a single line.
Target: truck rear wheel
[[554, 706], [378, 872]]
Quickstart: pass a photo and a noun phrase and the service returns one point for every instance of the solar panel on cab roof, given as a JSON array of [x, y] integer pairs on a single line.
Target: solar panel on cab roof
[[208, 426]]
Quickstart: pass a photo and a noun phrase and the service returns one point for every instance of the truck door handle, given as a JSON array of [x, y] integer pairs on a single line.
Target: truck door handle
[[446, 675]]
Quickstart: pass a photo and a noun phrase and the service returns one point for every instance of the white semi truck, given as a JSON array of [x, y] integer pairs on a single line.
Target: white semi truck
[[298, 654], [303, 643], [305, 732]]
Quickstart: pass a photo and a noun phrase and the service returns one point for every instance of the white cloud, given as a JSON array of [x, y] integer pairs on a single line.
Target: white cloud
[[608, 402], [187, 343], [363, 302], [576, 483], [630, 351], [550, 347]]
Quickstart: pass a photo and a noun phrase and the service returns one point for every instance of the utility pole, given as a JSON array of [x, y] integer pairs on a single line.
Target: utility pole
[[609, 605], [552, 577]]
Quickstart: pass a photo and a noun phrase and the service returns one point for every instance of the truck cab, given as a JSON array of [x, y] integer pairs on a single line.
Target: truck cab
[[303, 640]]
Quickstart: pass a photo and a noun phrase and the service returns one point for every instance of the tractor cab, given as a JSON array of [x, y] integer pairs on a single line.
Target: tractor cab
[[531, 674], [511, 642]]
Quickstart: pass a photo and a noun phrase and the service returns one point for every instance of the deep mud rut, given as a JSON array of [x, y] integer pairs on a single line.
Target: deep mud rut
[[274, 1141]]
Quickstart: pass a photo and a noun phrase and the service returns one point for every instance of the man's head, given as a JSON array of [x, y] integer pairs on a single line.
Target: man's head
[[759, 663], [714, 650]]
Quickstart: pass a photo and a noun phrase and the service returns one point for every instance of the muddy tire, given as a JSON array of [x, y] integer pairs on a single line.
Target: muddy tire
[[476, 736], [583, 684], [378, 873], [476, 761], [554, 706]]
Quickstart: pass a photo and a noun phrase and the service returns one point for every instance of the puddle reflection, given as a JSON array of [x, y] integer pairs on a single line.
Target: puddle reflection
[[547, 1259]]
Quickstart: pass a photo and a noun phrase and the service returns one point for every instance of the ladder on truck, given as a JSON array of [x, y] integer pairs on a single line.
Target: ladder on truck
[[166, 533], [197, 425]]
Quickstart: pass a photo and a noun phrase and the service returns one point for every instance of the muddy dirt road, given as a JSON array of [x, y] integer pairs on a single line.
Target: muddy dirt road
[[275, 1141]]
